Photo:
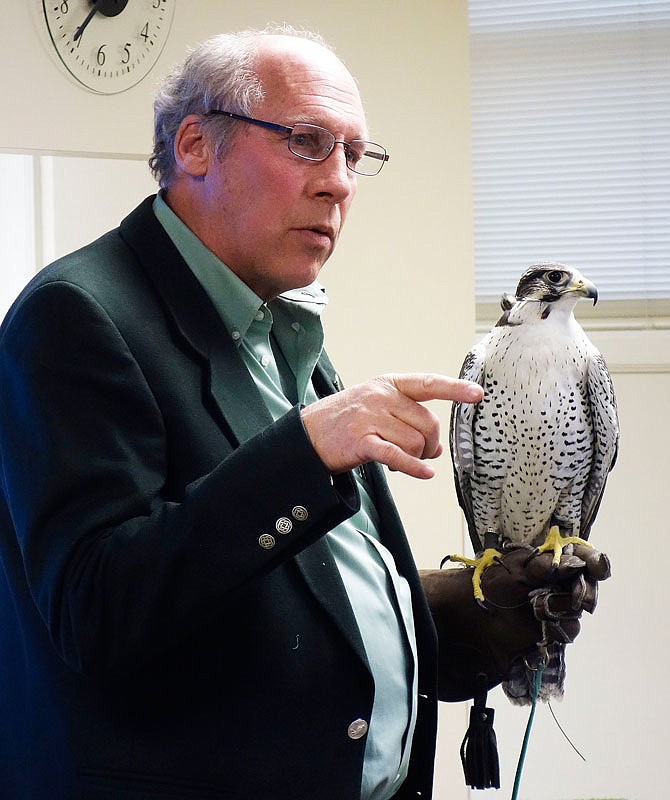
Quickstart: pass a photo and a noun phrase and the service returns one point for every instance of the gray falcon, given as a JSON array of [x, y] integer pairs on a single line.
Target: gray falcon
[[531, 460]]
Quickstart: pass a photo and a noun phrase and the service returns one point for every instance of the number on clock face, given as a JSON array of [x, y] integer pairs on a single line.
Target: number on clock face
[[108, 45]]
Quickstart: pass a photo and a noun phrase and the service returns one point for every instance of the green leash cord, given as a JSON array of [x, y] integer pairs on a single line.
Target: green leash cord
[[524, 747]]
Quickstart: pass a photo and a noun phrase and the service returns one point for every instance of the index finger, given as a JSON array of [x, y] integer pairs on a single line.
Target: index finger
[[422, 386]]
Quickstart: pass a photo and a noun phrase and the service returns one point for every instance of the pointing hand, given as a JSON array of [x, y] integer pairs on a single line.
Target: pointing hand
[[383, 420]]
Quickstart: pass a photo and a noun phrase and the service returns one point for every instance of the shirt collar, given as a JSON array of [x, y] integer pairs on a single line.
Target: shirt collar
[[235, 302]]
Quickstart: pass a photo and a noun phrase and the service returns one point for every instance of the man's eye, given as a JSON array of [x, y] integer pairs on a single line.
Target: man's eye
[[355, 154], [306, 141]]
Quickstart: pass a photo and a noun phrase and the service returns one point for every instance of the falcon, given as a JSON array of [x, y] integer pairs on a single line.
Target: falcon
[[531, 460]]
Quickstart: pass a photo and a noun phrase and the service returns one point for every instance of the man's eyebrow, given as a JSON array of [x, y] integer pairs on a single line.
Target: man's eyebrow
[[311, 120]]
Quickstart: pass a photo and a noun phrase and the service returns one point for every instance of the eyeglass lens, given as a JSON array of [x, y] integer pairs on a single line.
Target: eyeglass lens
[[316, 144]]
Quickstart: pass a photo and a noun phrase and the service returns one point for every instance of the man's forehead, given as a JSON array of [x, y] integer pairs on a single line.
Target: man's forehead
[[308, 79], [286, 49]]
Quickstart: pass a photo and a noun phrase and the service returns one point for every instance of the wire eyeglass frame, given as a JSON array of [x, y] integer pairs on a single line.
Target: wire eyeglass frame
[[373, 155]]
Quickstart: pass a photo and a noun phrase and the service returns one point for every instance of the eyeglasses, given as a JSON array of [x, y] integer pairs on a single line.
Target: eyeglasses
[[316, 144]]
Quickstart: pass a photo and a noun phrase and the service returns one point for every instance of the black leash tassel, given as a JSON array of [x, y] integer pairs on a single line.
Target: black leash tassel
[[479, 749]]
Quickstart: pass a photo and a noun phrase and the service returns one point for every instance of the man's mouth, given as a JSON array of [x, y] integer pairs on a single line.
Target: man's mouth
[[322, 233]]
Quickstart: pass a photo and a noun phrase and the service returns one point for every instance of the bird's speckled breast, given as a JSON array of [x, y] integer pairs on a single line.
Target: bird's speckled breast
[[533, 432]]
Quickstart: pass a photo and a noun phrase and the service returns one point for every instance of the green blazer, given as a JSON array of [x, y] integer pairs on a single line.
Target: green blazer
[[159, 636]]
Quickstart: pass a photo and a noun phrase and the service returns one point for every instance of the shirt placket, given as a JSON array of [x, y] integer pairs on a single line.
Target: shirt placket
[[257, 342]]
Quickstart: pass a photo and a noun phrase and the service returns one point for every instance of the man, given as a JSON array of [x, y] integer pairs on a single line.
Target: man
[[207, 591]]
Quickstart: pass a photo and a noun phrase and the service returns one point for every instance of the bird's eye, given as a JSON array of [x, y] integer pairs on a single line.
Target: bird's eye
[[555, 276]]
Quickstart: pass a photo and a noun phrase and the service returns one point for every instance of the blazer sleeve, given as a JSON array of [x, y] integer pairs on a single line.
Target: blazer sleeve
[[118, 571]]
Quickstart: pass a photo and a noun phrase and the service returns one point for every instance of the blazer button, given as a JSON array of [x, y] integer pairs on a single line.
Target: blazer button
[[284, 525], [299, 513], [266, 541], [357, 729]]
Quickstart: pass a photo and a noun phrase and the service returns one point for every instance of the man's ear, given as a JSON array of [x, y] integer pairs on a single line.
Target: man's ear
[[191, 149]]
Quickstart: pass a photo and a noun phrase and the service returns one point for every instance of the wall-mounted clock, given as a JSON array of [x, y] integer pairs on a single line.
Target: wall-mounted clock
[[108, 45]]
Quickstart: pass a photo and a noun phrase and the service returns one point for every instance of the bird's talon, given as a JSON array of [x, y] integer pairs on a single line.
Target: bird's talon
[[483, 562], [556, 542]]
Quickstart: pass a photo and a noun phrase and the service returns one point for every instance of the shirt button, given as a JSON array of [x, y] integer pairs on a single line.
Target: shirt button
[[265, 360], [236, 335], [357, 729], [266, 541], [284, 525], [299, 513]]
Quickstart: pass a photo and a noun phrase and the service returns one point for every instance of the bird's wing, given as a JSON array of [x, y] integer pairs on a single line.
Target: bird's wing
[[605, 438], [461, 439]]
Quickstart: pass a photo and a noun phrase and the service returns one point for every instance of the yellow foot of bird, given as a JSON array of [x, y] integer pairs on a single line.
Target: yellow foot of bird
[[555, 543], [486, 559]]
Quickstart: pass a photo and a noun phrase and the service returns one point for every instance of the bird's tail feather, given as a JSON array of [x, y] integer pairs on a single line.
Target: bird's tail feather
[[519, 686]]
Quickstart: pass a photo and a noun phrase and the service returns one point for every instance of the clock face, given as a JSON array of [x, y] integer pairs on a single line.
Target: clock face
[[108, 45]]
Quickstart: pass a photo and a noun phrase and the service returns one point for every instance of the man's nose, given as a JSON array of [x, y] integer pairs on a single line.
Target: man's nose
[[333, 178]]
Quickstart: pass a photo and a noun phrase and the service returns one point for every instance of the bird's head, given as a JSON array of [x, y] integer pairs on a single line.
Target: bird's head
[[552, 282], [543, 288]]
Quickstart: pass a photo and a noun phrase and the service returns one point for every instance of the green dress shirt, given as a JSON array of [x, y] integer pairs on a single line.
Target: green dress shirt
[[280, 343]]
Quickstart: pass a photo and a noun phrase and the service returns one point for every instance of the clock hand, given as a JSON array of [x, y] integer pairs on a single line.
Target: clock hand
[[108, 8], [82, 27]]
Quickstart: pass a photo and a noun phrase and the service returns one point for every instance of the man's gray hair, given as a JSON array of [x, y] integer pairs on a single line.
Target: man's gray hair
[[217, 74]]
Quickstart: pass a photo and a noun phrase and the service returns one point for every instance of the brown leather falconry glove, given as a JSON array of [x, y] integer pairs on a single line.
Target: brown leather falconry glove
[[528, 601]]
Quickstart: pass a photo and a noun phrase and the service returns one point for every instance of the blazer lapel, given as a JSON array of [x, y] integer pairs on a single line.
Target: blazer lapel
[[322, 576], [392, 535], [228, 385]]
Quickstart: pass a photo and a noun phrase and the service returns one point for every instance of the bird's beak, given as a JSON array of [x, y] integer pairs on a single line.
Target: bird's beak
[[585, 288]]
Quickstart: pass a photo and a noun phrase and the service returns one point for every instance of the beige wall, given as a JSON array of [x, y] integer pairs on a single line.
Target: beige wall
[[401, 293]]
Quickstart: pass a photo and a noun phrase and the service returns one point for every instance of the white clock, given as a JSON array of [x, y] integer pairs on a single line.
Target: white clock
[[108, 45]]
